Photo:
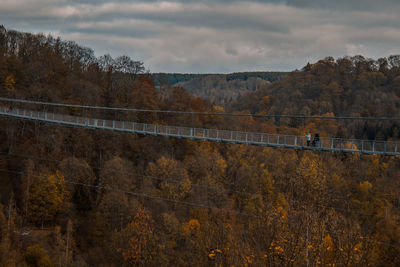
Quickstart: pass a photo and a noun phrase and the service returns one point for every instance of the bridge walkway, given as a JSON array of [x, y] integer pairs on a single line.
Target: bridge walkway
[[372, 147]]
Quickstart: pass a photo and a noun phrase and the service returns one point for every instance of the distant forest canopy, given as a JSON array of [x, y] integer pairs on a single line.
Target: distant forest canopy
[[175, 78], [352, 86], [218, 89], [80, 197], [348, 86]]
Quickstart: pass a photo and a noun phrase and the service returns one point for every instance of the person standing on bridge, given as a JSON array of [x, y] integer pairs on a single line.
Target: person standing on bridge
[[316, 140], [308, 139]]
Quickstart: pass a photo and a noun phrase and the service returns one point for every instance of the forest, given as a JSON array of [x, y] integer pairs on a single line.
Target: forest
[[175, 78], [80, 197], [218, 89]]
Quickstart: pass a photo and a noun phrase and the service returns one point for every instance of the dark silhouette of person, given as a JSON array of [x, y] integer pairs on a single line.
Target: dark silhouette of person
[[316, 140]]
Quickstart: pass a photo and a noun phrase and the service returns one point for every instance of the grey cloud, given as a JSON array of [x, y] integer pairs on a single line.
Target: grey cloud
[[216, 36], [321, 4], [231, 51], [354, 5], [217, 18]]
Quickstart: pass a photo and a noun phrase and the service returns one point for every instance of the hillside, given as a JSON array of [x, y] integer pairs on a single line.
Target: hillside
[[175, 78], [79, 197], [350, 86], [217, 88]]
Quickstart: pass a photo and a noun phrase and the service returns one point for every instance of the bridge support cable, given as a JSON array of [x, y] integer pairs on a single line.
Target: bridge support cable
[[215, 135], [301, 117]]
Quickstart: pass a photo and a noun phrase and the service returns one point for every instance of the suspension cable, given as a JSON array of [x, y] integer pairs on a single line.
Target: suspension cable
[[204, 113]]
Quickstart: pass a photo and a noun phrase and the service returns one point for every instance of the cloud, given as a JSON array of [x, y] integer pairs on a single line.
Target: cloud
[[219, 35], [352, 5]]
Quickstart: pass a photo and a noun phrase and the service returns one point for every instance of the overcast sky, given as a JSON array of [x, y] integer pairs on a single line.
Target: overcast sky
[[219, 36]]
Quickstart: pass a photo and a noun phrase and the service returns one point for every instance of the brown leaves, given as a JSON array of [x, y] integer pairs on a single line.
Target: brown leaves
[[170, 179], [47, 197], [141, 243]]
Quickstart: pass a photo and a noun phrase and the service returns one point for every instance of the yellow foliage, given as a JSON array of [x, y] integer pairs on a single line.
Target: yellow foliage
[[308, 167], [357, 247], [213, 253], [169, 169], [267, 182], [350, 146], [249, 260], [278, 249], [365, 187], [281, 201], [328, 242], [336, 181], [284, 215], [218, 109], [9, 83], [46, 198], [221, 163], [191, 227], [141, 243]]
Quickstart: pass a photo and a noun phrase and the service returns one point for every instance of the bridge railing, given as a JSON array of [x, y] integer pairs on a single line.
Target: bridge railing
[[277, 140]]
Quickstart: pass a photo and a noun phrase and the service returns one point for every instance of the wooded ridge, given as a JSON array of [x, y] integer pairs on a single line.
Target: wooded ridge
[[81, 197]]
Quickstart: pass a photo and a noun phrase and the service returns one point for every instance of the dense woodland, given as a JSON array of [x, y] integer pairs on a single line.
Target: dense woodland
[[175, 78], [349, 86], [219, 89], [77, 197]]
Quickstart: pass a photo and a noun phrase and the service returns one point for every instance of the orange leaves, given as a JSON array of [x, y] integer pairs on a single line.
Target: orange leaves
[[214, 253], [278, 249], [327, 242], [47, 198], [350, 145], [365, 188], [9, 83], [192, 227], [171, 179], [140, 239]]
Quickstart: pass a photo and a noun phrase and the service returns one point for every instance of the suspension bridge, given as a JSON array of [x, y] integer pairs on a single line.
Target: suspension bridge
[[373, 147]]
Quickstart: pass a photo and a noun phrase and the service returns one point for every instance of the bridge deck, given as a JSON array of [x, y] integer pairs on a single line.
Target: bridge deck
[[236, 137]]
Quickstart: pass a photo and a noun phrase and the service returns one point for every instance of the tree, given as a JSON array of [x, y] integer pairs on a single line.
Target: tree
[[9, 83], [140, 248], [118, 173], [169, 178], [309, 184], [80, 174], [8, 255], [36, 256], [394, 61], [125, 64], [207, 167], [47, 198]]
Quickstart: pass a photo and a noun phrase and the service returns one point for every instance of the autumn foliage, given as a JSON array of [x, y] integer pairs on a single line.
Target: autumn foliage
[[80, 197]]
